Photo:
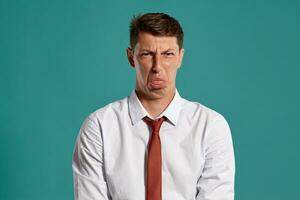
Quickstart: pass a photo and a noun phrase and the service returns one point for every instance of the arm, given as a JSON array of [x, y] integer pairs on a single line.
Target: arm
[[88, 169], [217, 179]]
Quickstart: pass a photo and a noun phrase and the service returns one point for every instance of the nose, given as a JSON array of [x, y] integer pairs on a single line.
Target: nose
[[156, 68]]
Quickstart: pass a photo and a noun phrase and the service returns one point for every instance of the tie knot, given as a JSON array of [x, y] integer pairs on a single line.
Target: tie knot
[[154, 124]]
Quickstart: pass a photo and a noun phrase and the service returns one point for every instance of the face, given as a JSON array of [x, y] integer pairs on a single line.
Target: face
[[156, 60]]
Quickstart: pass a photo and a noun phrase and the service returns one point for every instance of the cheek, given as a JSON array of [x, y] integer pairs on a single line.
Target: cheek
[[171, 62], [142, 69], [172, 74], [171, 69], [145, 63]]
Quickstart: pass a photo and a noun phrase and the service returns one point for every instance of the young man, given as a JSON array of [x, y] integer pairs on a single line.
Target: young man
[[154, 144]]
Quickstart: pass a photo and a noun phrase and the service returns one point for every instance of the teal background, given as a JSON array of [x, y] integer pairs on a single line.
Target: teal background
[[61, 60]]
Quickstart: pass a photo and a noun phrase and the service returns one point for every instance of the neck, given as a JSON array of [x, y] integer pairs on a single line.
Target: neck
[[156, 106]]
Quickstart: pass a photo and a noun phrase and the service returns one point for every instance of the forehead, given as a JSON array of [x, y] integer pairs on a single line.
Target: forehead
[[150, 42]]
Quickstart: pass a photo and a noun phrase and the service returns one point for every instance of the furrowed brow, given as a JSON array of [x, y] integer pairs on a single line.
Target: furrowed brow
[[147, 50], [168, 50]]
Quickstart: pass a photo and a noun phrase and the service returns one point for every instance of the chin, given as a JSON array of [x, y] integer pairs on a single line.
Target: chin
[[158, 93]]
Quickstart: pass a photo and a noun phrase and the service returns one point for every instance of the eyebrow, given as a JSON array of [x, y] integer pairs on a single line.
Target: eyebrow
[[147, 50]]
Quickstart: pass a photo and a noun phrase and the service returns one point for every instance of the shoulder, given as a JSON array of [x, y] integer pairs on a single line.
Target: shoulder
[[110, 111], [196, 111], [212, 124]]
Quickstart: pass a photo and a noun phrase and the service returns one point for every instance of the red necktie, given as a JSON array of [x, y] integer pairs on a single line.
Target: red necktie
[[154, 178]]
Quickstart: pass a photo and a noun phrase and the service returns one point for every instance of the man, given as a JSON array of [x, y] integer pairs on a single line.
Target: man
[[154, 144]]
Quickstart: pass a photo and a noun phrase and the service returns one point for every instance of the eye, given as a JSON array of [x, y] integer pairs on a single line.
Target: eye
[[168, 54], [145, 54]]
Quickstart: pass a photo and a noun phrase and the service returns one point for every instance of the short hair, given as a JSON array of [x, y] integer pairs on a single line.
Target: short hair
[[157, 24]]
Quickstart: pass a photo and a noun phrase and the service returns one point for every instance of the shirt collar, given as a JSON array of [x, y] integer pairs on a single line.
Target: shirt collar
[[137, 112]]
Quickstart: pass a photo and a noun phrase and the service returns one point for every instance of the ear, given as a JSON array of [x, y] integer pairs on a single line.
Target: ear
[[130, 56], [181, 53]]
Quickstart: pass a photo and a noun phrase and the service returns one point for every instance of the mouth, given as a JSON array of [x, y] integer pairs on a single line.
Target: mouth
[[157, 84]]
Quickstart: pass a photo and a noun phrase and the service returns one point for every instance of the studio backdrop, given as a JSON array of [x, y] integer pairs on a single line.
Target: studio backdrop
[[62, 60]]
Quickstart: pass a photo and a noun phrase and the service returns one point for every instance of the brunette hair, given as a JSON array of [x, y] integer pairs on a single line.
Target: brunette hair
[[157, 24]]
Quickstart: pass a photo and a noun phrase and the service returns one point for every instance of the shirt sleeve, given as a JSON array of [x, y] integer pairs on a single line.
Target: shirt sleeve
[[87, 165], [217, 179]]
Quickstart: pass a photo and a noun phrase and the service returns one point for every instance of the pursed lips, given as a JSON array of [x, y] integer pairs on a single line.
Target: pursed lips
[[157, 83]]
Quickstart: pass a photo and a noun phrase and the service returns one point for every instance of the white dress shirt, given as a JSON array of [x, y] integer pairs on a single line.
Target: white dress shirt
[[109, 160]]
